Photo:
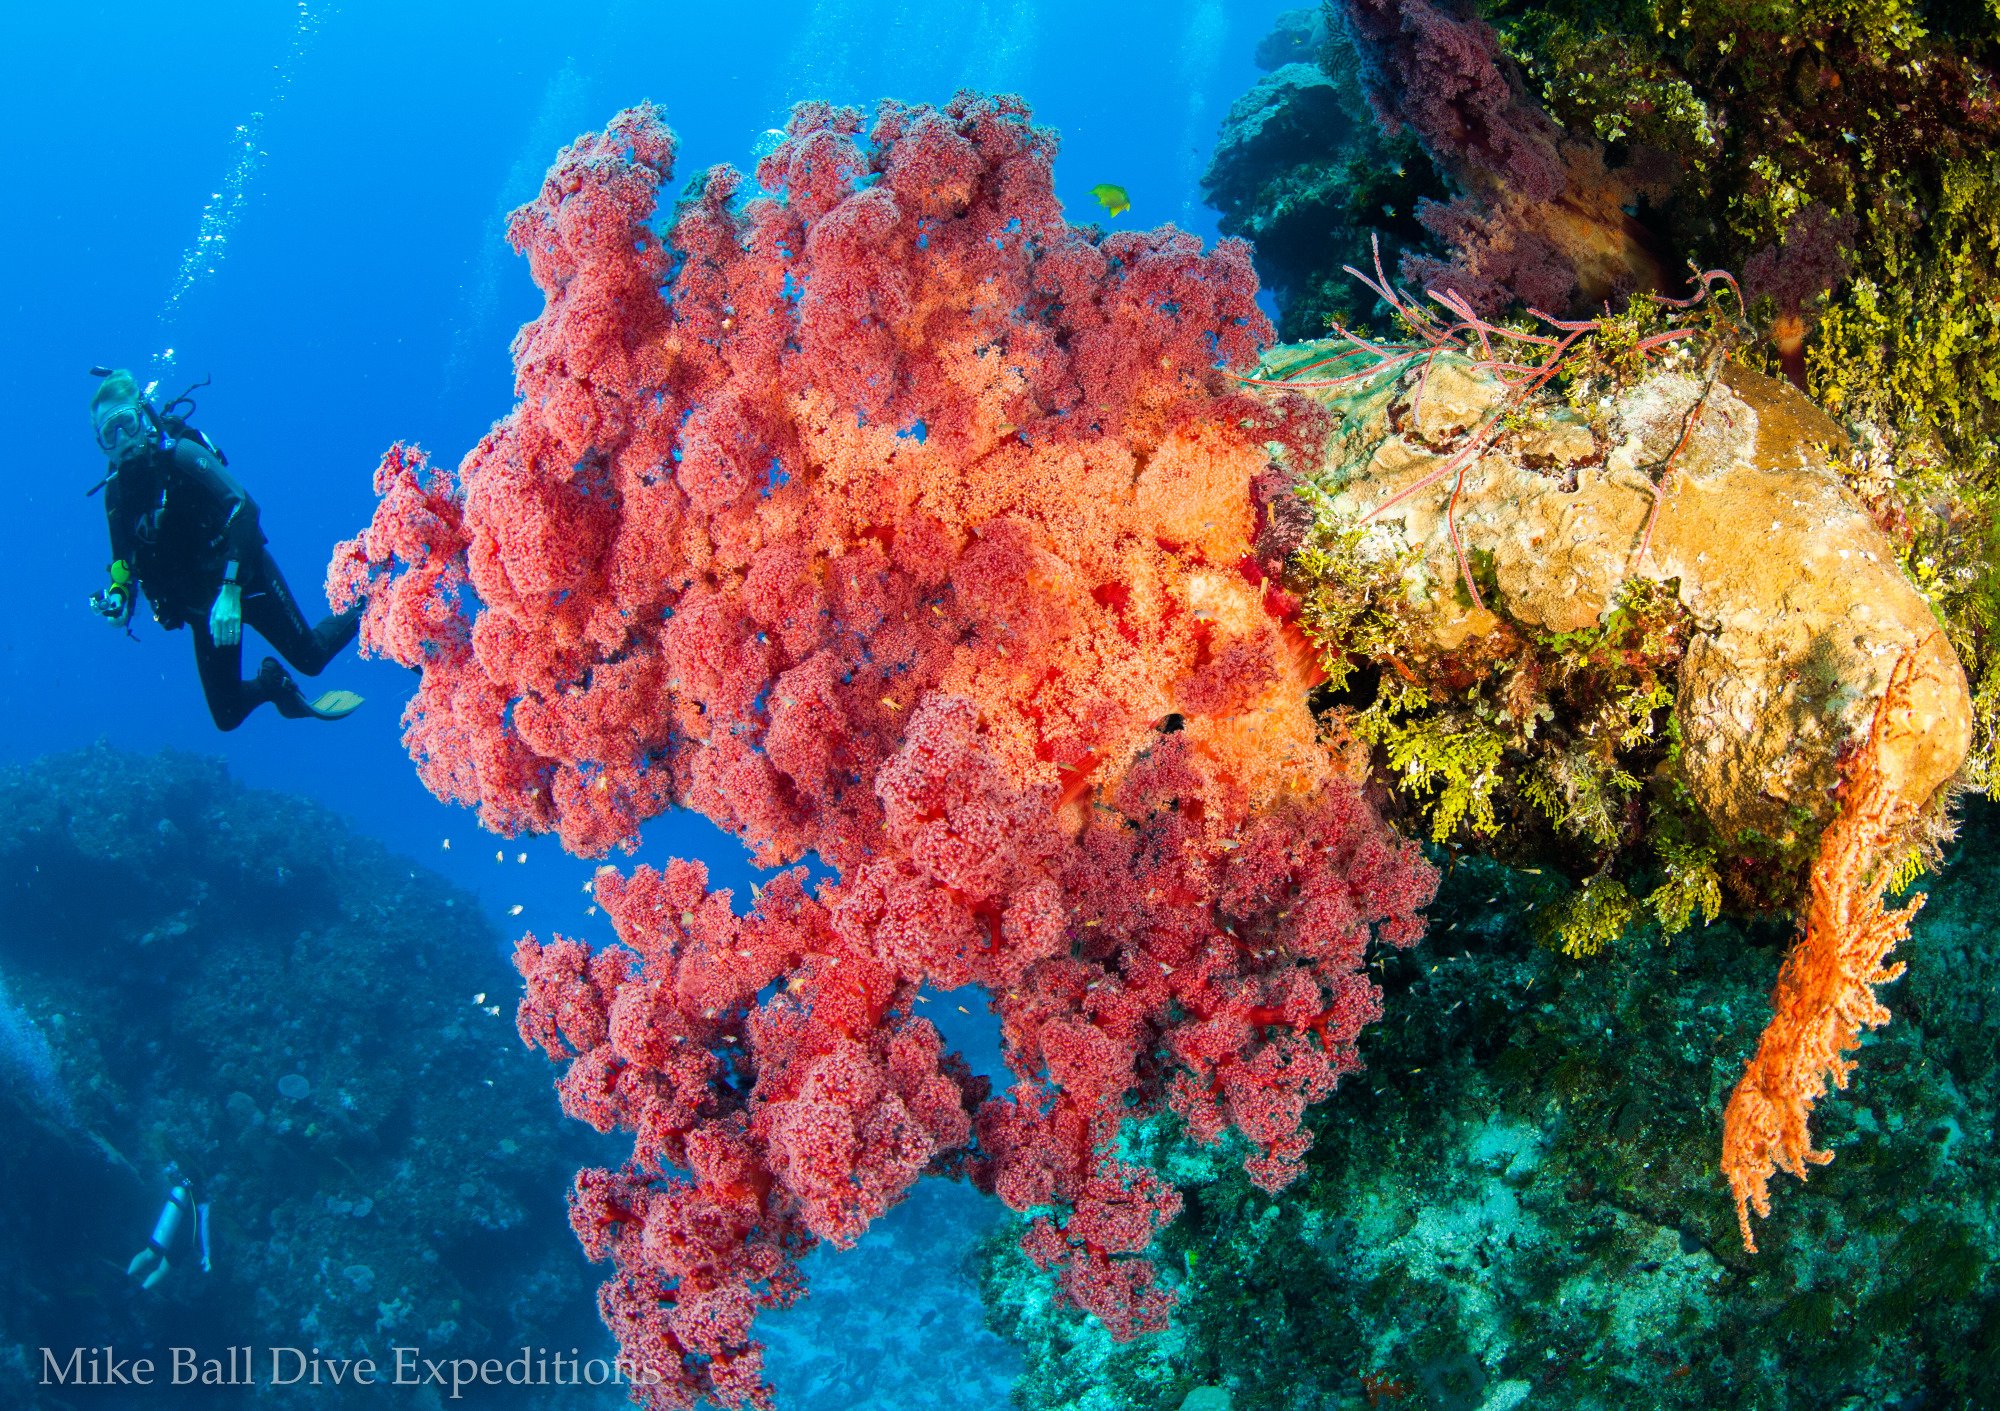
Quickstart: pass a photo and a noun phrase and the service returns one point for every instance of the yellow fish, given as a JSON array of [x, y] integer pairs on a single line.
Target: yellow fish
[[1113, 198]]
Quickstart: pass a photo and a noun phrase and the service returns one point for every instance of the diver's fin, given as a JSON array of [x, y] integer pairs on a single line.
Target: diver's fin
[[283, 692], [332, 705]]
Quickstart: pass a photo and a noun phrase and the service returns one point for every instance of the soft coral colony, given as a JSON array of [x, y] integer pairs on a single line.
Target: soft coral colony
[[887, 517]]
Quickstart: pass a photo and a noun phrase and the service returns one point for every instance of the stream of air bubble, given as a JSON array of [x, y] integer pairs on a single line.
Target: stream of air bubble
[[222, 211]]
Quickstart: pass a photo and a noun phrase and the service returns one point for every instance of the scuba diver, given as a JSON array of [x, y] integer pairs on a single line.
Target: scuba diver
[[149, 1265], [183, 530]]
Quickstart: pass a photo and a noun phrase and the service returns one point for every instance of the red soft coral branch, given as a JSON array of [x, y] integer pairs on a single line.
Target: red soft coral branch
[[880, 514]]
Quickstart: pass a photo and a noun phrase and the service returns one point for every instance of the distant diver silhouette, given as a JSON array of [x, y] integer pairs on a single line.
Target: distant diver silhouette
[[186, 533], [149, 1265]]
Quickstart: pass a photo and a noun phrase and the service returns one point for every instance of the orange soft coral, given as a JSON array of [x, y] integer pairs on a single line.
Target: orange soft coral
[[1826, 990]]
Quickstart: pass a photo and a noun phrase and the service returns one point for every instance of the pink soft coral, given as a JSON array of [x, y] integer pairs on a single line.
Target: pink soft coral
[[883, 515]]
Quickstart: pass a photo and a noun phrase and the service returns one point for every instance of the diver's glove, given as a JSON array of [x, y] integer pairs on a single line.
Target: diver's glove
[[114, 604], [225, 619]]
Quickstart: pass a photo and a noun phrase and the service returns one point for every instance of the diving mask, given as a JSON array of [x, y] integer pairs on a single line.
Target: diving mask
[[121, 431]]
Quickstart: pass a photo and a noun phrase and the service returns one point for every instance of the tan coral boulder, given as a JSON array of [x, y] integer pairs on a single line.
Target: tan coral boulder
[[1801, 608]]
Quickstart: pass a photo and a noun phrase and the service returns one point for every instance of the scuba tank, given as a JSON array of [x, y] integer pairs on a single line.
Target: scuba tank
[[150, 1264]]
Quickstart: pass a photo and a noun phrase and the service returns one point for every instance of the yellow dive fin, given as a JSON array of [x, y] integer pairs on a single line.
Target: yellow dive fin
[[334, 704]]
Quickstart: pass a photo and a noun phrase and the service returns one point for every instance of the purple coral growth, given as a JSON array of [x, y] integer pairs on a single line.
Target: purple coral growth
[[1540, 220], [1514, 264], [1442, 74], [1811, 260]]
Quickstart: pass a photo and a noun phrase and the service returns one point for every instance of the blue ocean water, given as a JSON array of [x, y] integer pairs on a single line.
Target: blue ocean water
[[303, 201]]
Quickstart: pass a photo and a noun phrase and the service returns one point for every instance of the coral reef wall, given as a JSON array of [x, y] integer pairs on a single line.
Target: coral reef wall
[[1844, 160]]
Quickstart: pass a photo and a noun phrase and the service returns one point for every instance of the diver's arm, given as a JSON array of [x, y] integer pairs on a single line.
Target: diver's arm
[[115, 603], [124, 533]]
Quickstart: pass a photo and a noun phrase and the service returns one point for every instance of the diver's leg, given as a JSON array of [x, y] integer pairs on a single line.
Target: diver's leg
[[230, 697], [268, 606]]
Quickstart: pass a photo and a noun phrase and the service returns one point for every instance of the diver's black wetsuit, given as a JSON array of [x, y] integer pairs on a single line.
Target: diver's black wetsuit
[[178, 518]]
